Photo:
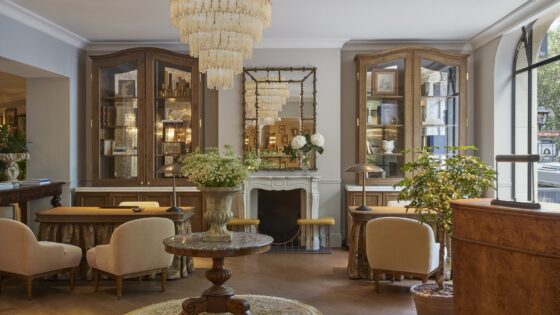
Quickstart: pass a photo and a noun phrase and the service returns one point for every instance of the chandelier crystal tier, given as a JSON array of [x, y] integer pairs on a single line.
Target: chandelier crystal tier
[[220, 33], [271, 97]]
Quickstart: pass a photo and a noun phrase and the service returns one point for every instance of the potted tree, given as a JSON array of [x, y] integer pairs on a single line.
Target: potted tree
[[219, 177], [432, 182]]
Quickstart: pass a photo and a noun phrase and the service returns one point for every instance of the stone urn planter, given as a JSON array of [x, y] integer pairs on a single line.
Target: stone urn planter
[[12, 169], [217, 213], [429, 301]]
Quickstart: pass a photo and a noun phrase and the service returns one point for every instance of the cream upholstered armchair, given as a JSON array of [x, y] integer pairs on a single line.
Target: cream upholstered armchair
[[136, 248], [401, 246], [22, 256]]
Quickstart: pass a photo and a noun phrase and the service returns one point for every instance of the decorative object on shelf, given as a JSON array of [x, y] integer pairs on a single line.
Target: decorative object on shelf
[[219, 177], [364, 168], [389, 113], [13, 150], [388, 146], [220, 34], [127, 88], [172, 169], [530, 159], [385, 81], [302, 145], [434, 183]]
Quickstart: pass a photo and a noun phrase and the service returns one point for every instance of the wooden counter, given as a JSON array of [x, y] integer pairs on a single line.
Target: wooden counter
[[505, 260], [22, 195]]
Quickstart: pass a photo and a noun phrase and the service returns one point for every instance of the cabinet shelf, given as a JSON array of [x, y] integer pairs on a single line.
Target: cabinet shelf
[[385, 126], [119, 98], [174, 98], [385, 97], [385, 154], [440, 97]]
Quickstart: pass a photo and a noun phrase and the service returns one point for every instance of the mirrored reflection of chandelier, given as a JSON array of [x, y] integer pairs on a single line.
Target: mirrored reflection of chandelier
[[271, 97], [220, 33]]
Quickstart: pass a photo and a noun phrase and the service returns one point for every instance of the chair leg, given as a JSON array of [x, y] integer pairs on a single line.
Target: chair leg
[[71, 278], [163, 279], [376, 279], [29, 284], [119, 282], [139, 279], [95, 279]]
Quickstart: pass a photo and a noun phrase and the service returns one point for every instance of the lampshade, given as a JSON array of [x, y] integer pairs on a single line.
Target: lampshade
[[364, 167], [170, 168]]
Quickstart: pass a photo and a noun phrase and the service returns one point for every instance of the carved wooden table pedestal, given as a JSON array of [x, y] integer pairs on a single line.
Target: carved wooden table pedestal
[[217, 298]]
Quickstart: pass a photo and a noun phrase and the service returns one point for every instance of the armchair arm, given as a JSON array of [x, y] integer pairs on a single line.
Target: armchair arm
[[43, 257]]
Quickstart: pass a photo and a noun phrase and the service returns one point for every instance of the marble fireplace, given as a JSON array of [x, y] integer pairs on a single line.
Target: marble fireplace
[[307, 184]]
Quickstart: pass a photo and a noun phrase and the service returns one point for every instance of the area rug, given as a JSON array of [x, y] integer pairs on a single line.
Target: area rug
[[260, 305]]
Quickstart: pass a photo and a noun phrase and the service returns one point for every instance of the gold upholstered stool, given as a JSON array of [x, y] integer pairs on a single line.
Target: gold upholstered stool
[[315, 225], [245, 225]]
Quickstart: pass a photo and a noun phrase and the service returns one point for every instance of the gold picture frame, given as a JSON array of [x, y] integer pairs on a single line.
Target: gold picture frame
[[385, 82]]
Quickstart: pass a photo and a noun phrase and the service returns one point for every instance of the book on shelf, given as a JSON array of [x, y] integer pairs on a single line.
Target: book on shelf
[[389, 113], [36, 181], [6, 185]]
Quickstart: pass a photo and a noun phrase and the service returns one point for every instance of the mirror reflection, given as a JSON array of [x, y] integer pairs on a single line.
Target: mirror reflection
[[279, 104]]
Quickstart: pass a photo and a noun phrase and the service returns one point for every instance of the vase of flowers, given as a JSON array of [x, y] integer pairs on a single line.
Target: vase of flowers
[[302, 146], [219, 177]]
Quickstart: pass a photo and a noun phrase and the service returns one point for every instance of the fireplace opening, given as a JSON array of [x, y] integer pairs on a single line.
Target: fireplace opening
[[278, 212]]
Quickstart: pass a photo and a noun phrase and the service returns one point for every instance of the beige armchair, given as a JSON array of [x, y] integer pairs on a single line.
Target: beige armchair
[[401, 246], [22, 256], [136, 249]]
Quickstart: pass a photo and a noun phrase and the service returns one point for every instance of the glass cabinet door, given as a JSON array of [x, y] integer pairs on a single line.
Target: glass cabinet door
[[440, 94], [173, 94], [117, 104], [386, 96]]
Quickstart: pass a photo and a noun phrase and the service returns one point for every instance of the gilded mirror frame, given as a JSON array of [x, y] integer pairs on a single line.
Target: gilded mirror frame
[[255, 131]]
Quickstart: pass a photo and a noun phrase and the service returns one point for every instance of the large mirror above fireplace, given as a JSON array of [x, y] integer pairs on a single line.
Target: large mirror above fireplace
[[278, 104]]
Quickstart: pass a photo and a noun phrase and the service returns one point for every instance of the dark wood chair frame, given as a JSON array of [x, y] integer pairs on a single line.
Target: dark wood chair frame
[[119, 278], [29, 278], [377, 273]]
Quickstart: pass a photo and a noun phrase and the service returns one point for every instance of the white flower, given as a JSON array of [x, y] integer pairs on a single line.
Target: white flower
[[298, 142], [318, 140]]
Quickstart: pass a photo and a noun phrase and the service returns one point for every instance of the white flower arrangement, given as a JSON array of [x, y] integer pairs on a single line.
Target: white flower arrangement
[[301, 145], [318, 140], [298, 142]]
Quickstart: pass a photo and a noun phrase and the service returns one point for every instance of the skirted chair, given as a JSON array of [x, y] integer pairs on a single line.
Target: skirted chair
[[22, 256], [401, 246], [136, 249]]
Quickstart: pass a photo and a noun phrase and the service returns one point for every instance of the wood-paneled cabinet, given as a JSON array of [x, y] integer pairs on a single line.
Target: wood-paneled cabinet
[[411, 97], [165, 199], [145, 114]]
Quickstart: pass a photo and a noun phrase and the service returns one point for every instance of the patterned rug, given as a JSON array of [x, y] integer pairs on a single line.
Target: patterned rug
[[260, 305]]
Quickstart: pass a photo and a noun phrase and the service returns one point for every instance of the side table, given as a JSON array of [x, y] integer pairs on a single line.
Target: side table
[[217, 298]]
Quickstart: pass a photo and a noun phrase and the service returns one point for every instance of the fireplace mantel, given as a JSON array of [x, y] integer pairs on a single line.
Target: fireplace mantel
[[307, 183]]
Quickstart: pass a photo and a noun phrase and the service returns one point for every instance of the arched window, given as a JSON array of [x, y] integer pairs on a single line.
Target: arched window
[[536, 108]]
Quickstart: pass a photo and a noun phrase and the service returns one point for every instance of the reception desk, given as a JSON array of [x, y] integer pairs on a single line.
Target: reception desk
[[505, 260]]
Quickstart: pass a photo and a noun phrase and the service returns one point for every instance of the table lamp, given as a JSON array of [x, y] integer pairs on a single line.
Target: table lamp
[[173, 169], [364, 168]]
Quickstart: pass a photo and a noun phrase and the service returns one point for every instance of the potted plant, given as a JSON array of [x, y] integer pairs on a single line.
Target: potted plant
[[13, 153], [218, 176], [302, 145], [432, 182]]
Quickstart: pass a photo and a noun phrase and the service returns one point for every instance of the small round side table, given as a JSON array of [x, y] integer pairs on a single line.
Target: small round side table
[[217, 298]]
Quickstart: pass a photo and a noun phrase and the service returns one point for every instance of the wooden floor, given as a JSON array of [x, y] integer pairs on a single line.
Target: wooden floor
[[315, 279]]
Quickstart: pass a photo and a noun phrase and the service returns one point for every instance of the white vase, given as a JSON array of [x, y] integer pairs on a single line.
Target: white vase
[[12, 169], [217, 212], [388, 146]]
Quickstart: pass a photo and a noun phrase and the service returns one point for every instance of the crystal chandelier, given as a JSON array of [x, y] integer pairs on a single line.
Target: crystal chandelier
[[220, 33]]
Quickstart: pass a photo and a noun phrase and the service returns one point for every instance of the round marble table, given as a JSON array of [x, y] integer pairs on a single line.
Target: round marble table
[[217, 298]]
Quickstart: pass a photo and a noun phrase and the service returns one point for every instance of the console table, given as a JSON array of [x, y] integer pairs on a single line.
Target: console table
[[217, 298], [22, 195], [505, 260], [88, 227]]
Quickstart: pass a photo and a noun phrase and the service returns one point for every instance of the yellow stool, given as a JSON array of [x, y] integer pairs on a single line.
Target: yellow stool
[[325, 222], [244, 223]]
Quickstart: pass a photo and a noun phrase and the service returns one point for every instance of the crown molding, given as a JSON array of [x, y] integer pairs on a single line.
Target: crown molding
[[515, 19], [291, 43], [39, 23], [462, 46]]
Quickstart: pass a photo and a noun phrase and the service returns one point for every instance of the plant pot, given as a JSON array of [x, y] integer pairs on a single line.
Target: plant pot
[[429, 301], [217, 212], [12, 169]]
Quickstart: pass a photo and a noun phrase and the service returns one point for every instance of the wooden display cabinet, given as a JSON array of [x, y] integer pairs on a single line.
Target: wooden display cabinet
[[145, 114], [410, 97]]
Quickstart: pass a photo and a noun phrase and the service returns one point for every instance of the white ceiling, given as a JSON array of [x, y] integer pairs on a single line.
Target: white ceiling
[[148, 20]]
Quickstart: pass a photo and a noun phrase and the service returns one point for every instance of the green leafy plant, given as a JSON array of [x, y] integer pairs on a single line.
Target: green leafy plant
[[432, 182], [215, 169]]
